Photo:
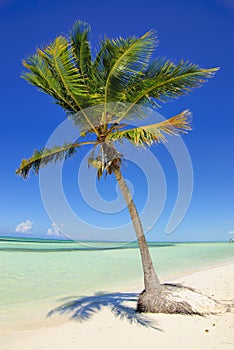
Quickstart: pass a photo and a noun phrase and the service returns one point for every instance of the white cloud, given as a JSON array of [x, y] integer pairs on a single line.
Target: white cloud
[[24, 227], [231, 232], [54, 230]]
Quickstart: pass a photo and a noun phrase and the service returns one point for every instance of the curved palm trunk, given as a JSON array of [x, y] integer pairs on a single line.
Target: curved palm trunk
[[151, 281]]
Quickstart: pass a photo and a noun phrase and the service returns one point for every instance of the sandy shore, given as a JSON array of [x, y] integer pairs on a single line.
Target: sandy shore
[[106, 331]]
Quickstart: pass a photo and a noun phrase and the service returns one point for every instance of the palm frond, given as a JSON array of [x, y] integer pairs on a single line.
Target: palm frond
[[58, 69], [42, 76], [81, 48], [127, 62], [174, 80], [60, 53], [60, 58], [165, 80], [108, 53], [118, 61], [155, 133], [41, 158]]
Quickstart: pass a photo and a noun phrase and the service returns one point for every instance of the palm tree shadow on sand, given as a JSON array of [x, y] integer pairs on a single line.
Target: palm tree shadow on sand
[[121, 305]]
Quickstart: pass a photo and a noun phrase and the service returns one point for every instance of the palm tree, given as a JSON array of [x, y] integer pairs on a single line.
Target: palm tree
[[122, 73]]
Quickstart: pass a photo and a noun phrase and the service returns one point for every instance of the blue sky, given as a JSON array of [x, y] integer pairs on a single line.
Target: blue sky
[[200, 31]]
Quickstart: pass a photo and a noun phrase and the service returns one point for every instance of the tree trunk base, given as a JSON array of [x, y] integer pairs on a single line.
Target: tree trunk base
[[162, 304], [176, 299]]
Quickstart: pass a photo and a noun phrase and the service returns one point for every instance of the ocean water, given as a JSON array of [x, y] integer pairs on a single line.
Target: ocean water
[[36, 275]]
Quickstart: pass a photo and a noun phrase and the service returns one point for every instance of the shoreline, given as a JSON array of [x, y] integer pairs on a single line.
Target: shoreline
[[200, 269], [214, 281], [41, 320], [174, 276]]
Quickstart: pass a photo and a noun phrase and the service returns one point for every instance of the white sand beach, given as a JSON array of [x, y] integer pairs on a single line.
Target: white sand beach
[[105, 331]]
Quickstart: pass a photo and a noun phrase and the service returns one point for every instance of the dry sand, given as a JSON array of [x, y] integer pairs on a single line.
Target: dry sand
[[105, 331]]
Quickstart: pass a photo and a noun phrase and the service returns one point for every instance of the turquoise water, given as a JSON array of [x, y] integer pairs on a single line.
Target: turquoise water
[[36, 275]]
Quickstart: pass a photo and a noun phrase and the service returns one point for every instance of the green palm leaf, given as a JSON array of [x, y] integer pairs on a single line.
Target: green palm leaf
[[43, 77], [165, 80], [45, 156], [81, 48], [155, 133], [129, 61], [128, 58], [59, 56]]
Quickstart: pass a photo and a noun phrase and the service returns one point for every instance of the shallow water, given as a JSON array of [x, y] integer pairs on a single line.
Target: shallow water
[[35, 275]]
